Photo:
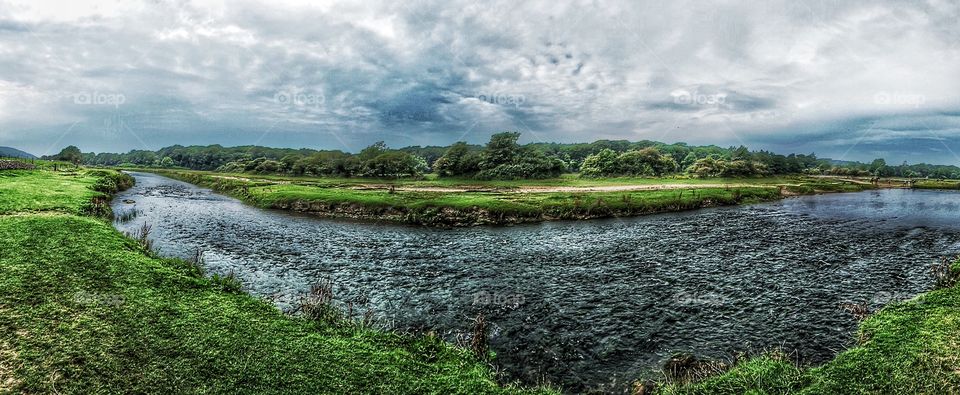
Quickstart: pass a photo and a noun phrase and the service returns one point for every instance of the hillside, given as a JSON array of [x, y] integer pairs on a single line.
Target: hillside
[[9, 152]]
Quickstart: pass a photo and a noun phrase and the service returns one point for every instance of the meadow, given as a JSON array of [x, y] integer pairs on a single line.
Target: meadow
[[85, 309], [465, 202]]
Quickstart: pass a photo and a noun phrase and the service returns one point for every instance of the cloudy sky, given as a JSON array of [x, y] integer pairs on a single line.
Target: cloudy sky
[[845, 79]]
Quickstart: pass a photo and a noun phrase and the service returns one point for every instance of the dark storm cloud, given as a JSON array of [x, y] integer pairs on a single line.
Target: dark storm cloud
[[790, 75]]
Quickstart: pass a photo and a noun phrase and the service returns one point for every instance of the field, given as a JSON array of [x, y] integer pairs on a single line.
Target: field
[[937, 184], [464, 202], [84, 309]]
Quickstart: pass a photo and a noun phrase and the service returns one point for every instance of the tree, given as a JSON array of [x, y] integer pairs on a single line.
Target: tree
[[166, 162], [70, 154], [457, 161], [740, 153], [707, 167], [392, 164], [502, 149], [373, 151], [289, 161], [879, 167], [688, 160], [600, 164], [529, 164], [268, 166]]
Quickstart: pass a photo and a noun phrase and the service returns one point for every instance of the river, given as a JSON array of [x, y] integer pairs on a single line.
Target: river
[[586, 304]]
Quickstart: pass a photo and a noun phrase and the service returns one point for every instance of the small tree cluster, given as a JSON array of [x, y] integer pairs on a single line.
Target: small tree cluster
[[644, 162], [502, 159], [713, 167]]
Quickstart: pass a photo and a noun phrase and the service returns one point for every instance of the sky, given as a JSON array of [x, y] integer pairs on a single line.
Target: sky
[[851, 80]]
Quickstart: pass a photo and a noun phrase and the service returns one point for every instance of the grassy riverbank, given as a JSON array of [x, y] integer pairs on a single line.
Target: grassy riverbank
[[936, 184], [84, 309], [455, 202], [910, 347]]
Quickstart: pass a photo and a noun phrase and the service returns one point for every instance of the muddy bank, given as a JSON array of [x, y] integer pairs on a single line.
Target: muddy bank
[[453, 217]]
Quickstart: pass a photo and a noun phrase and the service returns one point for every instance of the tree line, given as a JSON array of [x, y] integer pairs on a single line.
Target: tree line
[[503, 158]]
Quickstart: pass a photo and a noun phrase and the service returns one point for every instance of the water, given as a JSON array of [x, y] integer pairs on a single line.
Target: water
[[589, 304]]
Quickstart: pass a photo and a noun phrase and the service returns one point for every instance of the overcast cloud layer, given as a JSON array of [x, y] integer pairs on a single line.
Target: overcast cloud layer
[[846, 79]]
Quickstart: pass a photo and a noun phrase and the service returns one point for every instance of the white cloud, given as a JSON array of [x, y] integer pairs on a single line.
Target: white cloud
[[415, 72]]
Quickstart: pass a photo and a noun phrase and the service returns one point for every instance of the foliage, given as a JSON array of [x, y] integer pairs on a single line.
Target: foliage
[[393, 164], [501, 159], [711, 167], [70, 154], [464, 160], [643, 162], [458, 160], [600, 164]]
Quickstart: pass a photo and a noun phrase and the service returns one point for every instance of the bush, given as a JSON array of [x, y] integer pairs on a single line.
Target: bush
[[644, 162], [111, 182]]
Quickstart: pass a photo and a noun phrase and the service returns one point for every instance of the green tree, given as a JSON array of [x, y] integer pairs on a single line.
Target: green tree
[[707, 167], [373, 151], [740, 153], [502, 149], [392, 164], [879, 167], [456, 161], [70, 154], [601, 164], [688, 160]]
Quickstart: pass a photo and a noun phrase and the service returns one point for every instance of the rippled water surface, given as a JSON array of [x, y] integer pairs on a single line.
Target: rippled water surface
[[590, 304]]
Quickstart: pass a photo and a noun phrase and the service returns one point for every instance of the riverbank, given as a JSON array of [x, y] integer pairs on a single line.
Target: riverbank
[[453, 203], [937, 184], [86, 310], [910, 347]]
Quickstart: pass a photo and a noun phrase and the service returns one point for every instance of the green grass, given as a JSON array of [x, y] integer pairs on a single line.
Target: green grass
[[432, 180], [499, 202], [910, 347], [84, 309], [35, 191], [936, 184]]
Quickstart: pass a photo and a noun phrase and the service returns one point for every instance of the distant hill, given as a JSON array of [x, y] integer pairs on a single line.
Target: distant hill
[[7, 152]]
